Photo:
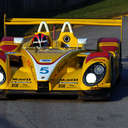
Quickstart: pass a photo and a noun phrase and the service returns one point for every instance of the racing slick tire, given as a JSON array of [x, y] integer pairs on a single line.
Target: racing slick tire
[[3, 96], [96, 95]]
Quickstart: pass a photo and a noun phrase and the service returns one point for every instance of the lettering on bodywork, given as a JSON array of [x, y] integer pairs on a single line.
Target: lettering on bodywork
[[27, 79], [46, 60], [7, 53], [15, 85], [61, 85], [21, 80], [20, 85], [68, 83], [67, 86], [51, 51], [73, 79]]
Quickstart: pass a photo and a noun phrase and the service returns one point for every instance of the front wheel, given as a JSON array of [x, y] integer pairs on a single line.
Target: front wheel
[[3, 96], [96, 95]]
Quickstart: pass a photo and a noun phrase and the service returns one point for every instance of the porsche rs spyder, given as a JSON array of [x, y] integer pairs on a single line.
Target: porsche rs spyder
[[41, 65]]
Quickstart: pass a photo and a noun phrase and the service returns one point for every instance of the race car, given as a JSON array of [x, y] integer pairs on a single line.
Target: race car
[[41, 65]]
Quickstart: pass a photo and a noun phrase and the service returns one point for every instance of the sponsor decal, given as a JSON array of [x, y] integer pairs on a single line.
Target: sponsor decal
[[44, 70], [10, 53], [85, 53], [20, 85], [71, 86], [42, 77], [17, 79], [74, 79], [82, 40], [61, 85], [67, 86], [68, 82], [24, 86], [51, 51], [15, 85], [21, 80], [45, 60]]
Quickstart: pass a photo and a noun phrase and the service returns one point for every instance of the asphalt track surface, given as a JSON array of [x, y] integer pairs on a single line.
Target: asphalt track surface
[[70, 112]]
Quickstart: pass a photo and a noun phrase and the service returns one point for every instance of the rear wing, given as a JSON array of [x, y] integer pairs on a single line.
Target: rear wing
[[31, 21], [121, 22], [37, 21]]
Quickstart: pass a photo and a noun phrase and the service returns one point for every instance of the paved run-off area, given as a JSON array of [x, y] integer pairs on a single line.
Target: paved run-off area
[[69, 112]]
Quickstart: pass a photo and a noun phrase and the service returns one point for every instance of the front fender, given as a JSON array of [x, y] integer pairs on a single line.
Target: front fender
[[100, 58]]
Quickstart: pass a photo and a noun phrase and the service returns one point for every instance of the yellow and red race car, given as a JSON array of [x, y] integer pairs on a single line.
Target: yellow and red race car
[[40, 65]]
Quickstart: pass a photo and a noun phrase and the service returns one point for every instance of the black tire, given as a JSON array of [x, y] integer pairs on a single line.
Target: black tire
[[104, 96], [3, 96]]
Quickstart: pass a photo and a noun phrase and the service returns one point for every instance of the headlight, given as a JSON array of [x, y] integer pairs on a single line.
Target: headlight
[[99, 69], [94, 74], [2, 75], [91, 78]]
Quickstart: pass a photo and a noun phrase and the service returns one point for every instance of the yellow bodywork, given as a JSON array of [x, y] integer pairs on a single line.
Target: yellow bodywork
[[68, 65]]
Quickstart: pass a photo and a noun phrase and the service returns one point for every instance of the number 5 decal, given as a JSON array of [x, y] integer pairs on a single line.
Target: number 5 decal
[[44, 70]]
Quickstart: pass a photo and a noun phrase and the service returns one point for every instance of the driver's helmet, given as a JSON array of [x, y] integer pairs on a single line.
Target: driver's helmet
[[40, 40]]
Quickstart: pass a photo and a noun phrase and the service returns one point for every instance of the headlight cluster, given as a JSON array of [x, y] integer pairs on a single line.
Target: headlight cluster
[[94, 74], [2, 75]]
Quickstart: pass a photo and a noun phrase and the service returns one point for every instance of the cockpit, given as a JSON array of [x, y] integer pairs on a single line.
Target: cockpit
[[40, 40]]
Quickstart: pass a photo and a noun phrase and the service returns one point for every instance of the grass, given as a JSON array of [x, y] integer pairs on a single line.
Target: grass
[[101, 9]]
